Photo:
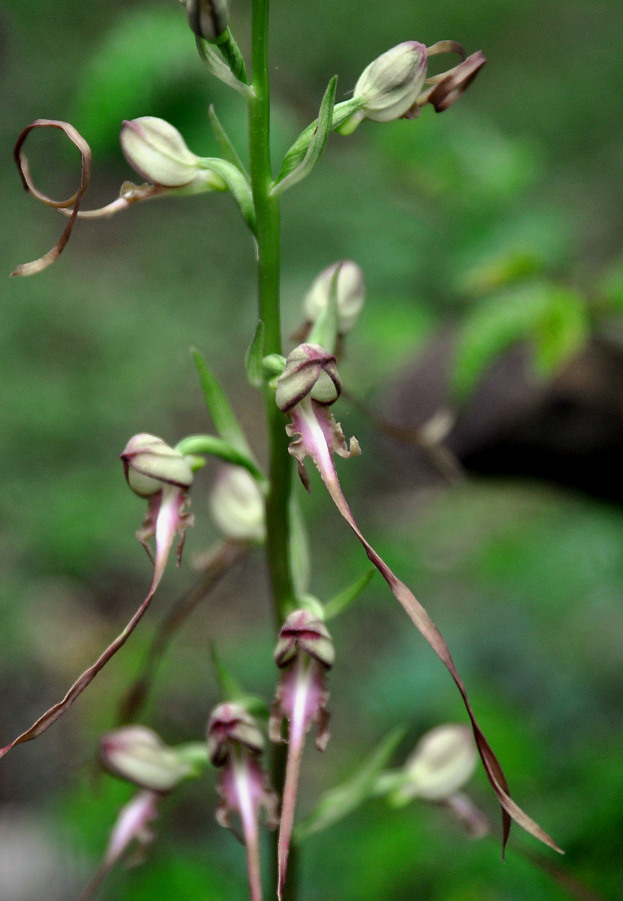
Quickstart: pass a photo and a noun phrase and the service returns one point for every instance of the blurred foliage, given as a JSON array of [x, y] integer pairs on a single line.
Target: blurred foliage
[[503, 216]]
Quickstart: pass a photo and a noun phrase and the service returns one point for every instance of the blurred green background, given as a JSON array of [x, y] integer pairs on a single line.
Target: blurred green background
[[520, 180]]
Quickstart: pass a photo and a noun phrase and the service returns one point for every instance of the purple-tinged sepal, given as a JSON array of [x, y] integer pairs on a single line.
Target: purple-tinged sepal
[[304, 653], [235, 744], [163, 476], [130, 838], [448, 86], [309, 371]]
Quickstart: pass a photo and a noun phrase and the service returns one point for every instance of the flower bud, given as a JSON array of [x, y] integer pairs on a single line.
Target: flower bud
[[309, 370], [229, 725], [443, 761], [149, 463], [302, 631], [158, 152], [139, 755], [207, 18], [350, 291], [237, 506], [389, 86]]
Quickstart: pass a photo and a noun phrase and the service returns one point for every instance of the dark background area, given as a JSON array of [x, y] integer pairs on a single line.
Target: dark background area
[[490, 238]]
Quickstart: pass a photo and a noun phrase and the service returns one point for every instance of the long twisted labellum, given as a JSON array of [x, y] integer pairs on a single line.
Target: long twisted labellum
[[317, 435], [21, 161]]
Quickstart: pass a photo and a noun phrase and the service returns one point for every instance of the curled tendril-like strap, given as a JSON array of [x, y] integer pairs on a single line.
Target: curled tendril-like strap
[[21, 160]]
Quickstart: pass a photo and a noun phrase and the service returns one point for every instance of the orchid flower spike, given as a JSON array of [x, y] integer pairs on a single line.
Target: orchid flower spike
[[316, 435], [304, 653], [235, 745]]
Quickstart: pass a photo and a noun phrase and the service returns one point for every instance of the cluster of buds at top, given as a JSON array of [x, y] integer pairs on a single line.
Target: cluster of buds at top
[[393, 86], [235, 744]]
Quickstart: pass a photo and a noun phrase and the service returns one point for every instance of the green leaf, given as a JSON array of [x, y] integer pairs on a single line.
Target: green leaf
[[217, 447], [225, 145], [316, 144], [223, 417], [345, 598], [296, 154], [220, 68], [551, 318], [342, 800], [238, 184], [255, 356]]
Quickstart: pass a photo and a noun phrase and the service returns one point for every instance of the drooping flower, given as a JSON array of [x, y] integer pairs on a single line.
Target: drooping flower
[[235, 745], [163, 476], [304, 653], [316, 435]]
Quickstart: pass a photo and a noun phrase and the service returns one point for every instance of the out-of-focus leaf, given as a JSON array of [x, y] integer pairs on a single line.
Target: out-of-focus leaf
[[553, 319], [133, 64], [342, 800]]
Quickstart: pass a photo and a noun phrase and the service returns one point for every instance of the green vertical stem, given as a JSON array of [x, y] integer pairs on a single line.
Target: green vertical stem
[[268, 253], [268, 250]]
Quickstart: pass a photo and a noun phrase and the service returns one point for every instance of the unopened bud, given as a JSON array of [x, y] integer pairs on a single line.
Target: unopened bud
[[389, 87], [208, 18], [350, 292], [158, 152], [237, 506], [443, 761], [139, 755], [309, 370], [149, 463], [231, 724], [302, 631]]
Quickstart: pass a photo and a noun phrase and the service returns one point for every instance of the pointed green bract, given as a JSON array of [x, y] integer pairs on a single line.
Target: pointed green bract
[[255, 356], [339, 802], [219, 408], [220, 68], [348, 596], [238, 184], [226, 147], [316, 144]]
